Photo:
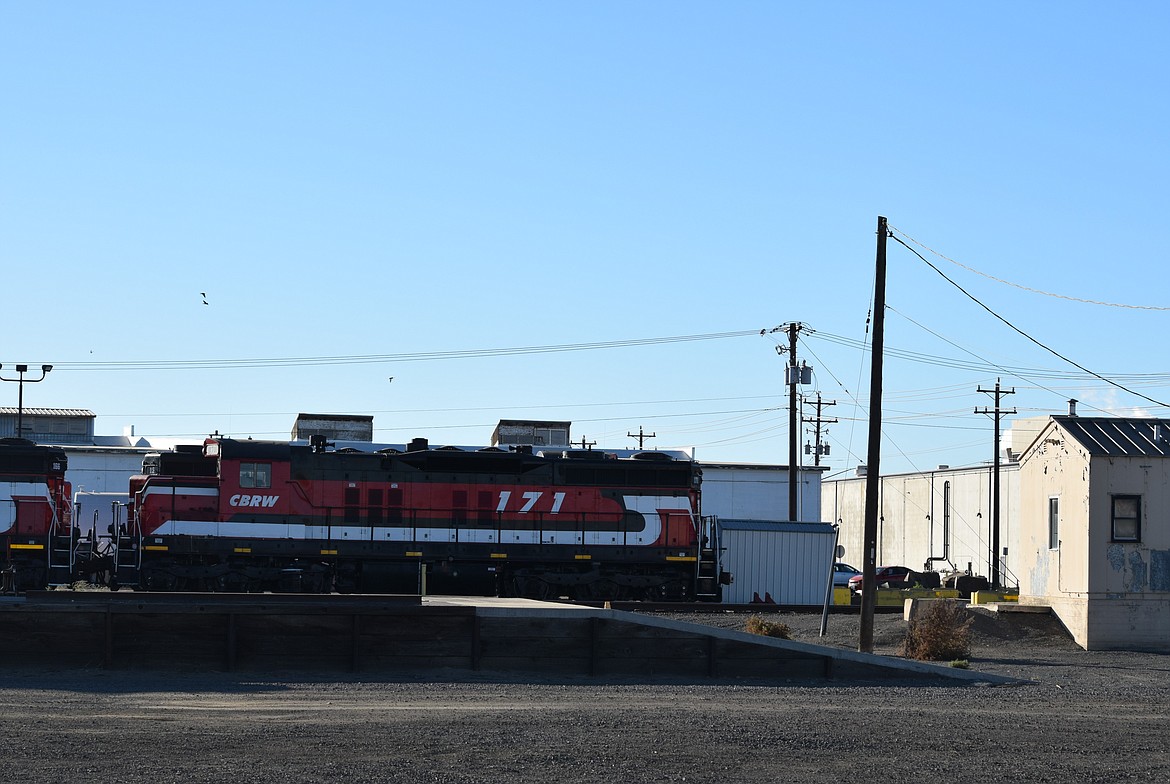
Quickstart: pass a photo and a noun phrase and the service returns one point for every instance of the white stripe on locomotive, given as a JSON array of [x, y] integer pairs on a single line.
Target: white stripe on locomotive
[[650, 507]]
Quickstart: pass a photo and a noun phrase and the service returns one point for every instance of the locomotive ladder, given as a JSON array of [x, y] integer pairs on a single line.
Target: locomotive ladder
[[61, 542], [707, 567], [127, 555]]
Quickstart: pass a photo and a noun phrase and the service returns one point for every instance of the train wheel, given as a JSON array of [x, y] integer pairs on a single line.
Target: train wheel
[[605, 589], [532, 588], [155, 580]]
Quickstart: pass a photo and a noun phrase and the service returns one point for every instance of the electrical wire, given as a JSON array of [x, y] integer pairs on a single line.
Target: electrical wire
[[424, 356], [956, 345], [1019, 286], [1052, 351]]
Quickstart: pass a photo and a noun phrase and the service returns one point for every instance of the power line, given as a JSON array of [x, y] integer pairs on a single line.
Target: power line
[[956, 345], [1052, 351], [1021, 287], [365, 359]]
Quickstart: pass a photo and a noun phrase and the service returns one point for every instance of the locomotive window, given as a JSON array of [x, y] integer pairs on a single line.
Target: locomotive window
[[255, 475]]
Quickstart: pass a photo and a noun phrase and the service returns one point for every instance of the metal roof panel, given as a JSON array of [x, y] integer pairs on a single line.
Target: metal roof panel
[[1118, 436]]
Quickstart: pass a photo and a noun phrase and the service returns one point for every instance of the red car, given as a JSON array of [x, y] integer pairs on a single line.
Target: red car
[[893, 576]]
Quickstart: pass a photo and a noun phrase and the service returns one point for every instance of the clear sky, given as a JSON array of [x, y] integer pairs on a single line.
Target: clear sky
[[367, 190]]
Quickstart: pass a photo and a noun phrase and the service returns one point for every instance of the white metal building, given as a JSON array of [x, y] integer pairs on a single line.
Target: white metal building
[[745, 491], [933, 520], [786, 563]]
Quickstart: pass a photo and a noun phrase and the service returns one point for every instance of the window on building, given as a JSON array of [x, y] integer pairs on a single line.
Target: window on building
[[255, 475], [1053, 523], [550, 436], [1127, 518]]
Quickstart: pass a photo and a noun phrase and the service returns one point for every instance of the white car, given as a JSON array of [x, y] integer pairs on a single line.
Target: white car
[[842, 572]]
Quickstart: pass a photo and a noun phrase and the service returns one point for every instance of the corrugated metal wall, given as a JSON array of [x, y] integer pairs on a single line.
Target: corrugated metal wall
[[789, 562]]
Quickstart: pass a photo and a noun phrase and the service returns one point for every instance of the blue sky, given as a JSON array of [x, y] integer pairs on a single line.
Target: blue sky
[[359, 185]]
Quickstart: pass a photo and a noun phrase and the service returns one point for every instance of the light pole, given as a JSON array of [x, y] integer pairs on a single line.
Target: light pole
[[21, 370]]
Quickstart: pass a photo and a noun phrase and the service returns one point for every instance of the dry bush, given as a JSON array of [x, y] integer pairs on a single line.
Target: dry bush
[[757, 625], [941, 632]]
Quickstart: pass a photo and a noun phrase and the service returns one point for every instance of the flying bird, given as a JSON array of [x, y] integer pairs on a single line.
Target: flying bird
[[204, 295]]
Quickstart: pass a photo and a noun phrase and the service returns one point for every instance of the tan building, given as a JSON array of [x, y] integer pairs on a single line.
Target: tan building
[[933, 520], [335, 427], [1095, 529], [531, 432]]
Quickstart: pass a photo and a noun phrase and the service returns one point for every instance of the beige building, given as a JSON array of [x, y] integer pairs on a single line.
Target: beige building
[[1095, 529], [931, 520]]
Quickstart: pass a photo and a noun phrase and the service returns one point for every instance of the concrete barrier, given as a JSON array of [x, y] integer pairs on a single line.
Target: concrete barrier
[[387, 635], [990, 597]]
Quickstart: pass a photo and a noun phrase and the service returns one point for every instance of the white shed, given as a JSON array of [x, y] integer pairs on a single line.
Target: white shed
[[788, 562]]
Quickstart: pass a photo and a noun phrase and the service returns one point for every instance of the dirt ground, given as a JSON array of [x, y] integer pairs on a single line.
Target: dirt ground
[[1084, 716]]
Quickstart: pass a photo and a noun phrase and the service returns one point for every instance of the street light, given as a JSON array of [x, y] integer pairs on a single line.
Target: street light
[[21, 370]]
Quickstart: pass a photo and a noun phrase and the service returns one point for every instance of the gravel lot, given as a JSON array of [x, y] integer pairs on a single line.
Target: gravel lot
[[1086, 717]]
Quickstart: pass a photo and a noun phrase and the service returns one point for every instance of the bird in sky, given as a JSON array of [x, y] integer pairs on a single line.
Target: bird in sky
[[204, 295]]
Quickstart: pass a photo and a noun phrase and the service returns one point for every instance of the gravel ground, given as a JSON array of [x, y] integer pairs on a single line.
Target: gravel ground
[[1084, 717]]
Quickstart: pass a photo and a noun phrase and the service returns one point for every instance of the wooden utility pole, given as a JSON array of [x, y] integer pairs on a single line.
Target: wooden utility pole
[[873, 476], [818, 422], [641, 436], [997, 413], [793, 426]]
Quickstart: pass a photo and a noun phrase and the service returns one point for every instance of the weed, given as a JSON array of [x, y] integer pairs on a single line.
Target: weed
[[757, 625], [941, 632], [961, 664]]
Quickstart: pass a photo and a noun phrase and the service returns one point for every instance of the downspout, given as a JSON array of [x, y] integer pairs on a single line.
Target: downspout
[[946, 556]]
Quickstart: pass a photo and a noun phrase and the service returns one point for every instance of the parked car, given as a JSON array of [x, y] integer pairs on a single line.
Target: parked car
[[893, 576], [842, 572]]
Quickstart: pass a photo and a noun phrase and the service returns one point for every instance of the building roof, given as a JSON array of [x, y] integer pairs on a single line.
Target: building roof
[[57, 412], [1119, 437], [364, 418], [534, 422], [775, 525]]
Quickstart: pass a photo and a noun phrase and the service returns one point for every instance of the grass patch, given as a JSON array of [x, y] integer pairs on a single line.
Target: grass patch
[[941, 632], [757, 625]]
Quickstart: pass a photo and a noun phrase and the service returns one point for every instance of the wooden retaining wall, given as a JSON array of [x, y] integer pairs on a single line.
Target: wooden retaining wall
[[401, 634]]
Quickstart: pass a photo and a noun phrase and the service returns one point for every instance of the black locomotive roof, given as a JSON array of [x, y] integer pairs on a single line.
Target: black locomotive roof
[[257, 450], [22, 455], [441, 458]]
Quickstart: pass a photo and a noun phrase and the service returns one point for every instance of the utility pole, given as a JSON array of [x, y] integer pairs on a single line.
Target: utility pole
[[641, 436], [996, 413], [21, 370], [818, 421], [873, 477], [585, 444], [796, 375]]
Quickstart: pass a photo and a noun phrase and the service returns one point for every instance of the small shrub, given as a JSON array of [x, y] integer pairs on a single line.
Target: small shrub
[[941, 632], [961, 664], [757, 625]]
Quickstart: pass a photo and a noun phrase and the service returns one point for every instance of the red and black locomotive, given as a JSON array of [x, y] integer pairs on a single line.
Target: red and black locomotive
[[243, 515], [35, 513]]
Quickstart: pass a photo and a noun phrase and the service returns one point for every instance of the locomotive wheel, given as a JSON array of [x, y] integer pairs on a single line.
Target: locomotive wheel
[[532, 588], [155, 580]]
